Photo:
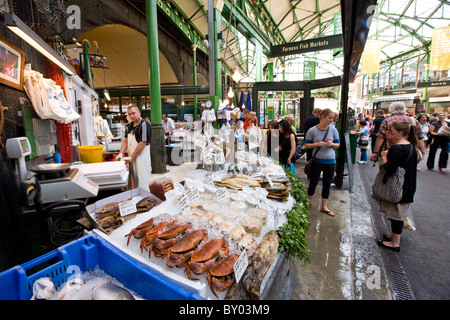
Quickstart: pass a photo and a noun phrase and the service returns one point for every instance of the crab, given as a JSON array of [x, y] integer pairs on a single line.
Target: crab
[[220, 277], [167, 238], [181, 252], [140, 231], [153, 232], [204, 257]]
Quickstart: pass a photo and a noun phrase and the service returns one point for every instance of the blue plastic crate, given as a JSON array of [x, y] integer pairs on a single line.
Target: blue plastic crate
[[88, 253]]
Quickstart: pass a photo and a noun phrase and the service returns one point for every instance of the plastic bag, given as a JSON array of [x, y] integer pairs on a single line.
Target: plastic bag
[[408, 223]]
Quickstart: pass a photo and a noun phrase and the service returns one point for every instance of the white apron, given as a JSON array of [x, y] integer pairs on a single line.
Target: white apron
[[141, 167]]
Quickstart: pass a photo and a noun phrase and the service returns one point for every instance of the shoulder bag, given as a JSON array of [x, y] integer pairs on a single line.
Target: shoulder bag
[[307, 168], [389, 188]]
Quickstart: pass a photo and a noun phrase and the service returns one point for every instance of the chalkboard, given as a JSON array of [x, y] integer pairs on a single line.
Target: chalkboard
[[349, 161]]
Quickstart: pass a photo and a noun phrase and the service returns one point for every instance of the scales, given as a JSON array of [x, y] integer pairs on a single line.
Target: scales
[[59, 183], [19, 148]]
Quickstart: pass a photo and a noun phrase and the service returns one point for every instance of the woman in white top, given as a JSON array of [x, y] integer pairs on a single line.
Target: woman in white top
[[424, 123]]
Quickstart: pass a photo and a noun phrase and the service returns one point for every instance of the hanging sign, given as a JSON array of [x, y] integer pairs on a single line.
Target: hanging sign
[[370, 60], [440, 49], [311, 45]]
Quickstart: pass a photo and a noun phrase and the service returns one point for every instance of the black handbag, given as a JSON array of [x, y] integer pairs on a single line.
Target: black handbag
[[308, 166], [363, 143], [389, 188]]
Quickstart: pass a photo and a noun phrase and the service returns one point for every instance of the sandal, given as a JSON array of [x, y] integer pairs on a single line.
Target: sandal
[[328, 212], [381, 244], [443, 171]]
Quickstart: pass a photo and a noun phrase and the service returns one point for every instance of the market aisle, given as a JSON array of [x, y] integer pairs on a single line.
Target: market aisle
[[177, 173], [343, 251]]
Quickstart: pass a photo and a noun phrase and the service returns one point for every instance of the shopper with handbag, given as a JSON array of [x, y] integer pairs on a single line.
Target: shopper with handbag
[[401, 154], [363, 140], [324, 139]]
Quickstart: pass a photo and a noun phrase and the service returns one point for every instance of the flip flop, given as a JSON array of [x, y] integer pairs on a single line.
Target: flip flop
[[443, 171], [328, 212], [381, 244]]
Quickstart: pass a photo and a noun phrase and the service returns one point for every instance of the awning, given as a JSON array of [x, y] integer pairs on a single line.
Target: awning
[[401, 97]]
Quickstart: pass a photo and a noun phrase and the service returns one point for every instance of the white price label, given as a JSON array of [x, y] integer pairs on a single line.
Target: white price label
[[183, 201], [222, 194], [171, 194], [192, 194], [208, 180], [127, 207], [240, 266], [216, 176]]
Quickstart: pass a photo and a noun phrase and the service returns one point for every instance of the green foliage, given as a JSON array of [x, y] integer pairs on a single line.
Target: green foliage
[[293, 233]]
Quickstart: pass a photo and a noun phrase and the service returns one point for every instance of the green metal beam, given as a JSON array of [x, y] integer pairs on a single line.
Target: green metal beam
[[251, 31], [182, 22], [165, 90]]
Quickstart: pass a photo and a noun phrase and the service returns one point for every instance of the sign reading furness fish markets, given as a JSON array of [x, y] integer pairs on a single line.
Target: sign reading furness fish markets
[[311, 45]]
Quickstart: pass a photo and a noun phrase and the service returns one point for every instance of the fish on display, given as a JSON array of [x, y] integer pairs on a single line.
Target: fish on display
[[109, 291]]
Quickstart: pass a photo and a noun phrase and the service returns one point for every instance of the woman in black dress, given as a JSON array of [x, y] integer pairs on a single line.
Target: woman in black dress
[[401, 154], [439, 140], [287, 143]]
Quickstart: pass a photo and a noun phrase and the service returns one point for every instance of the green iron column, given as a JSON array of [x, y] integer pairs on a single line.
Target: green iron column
[[425, 90], [283, 93], [215, 63], [259, 73], [269, 100], [157, 144], [194, 77]]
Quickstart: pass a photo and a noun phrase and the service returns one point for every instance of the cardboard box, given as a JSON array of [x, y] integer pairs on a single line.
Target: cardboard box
[[135, 194]]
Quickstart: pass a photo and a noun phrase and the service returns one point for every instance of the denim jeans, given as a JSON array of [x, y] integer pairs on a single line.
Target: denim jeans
[[363, 154]]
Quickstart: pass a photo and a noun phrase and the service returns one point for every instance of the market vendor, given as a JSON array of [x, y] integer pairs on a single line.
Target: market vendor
[[137, 143], [168, 124], [248, 119]]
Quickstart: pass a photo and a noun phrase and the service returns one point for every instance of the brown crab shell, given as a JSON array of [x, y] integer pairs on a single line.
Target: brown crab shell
[[173, 231], [225, 266], [190, 241], [210, 249]]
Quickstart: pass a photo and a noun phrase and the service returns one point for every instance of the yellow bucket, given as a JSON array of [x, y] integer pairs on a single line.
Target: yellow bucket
[[91, 154]]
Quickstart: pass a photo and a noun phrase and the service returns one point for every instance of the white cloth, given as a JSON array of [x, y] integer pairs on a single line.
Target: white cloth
[[141, 165]]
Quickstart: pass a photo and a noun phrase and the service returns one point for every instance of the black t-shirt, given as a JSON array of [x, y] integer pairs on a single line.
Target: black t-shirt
[[310, 121], [397, 157], [376, 124], [142, 132]]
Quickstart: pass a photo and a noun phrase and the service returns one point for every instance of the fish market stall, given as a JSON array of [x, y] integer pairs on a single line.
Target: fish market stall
[[203, 227], [218, 235]]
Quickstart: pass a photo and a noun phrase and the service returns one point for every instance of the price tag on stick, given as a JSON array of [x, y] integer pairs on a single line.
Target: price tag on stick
[[183, 201], [240, 266]]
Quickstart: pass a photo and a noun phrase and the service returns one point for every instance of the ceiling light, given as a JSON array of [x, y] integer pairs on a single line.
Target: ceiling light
[[22, 30], [236, 76], [230, 93], [106, 93]]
